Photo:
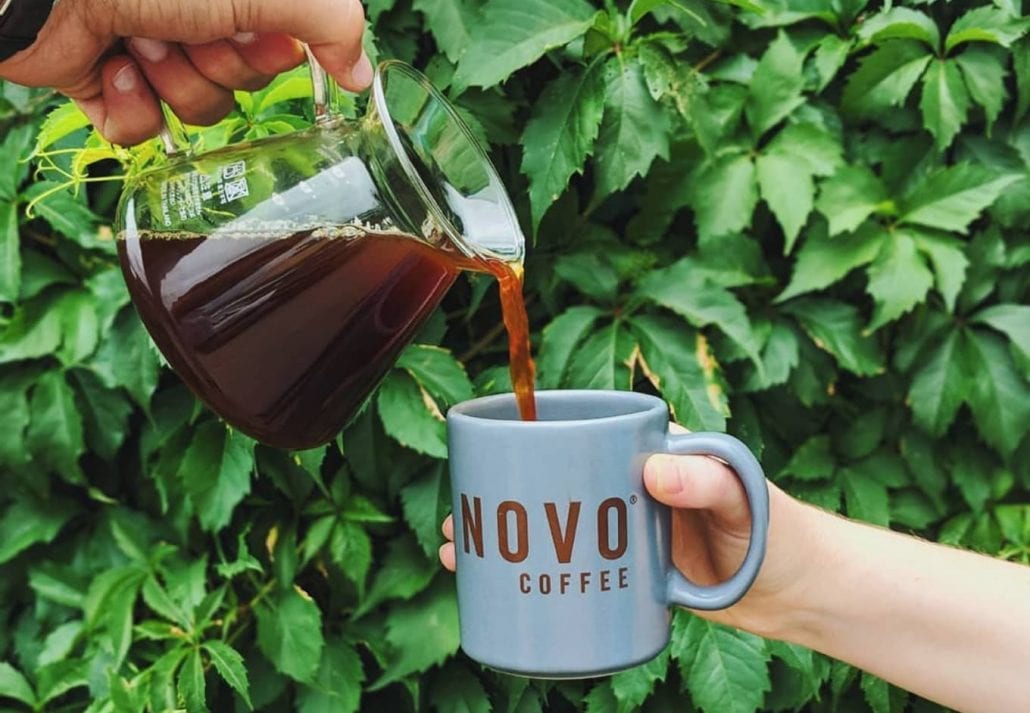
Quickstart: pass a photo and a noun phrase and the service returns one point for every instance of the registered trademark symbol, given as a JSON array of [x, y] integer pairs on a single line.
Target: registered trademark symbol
[[632, 499]]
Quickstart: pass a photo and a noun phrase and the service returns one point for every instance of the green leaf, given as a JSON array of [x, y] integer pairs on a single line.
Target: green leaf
[[351, 549], [788, 189], [421, 633], [681, 289], [835, 328], [426, 502], [900, 23], [634, 686], [866, 497], [776, 85], [336, 687], [985, 24], [603, 360], [451, 22], [592, 275], [1021, 68], [830, 55], [410, 416], [952, 198], [458, 690], [812, 460], [14, 685], [999, 396], [822, 260], [438, 372], [68, 215], [404, 571], [58, 678], [289, 633], [513, 33], [14, 148], [158, 600], [1012, 320], [661, 71], [126, 358], [192, 686], [60, 642], [80, 326], [810, 145], [55, 434], [898, 279], [634, 130], [108, 607], [215, 473], [561, 134], [39, 272], [849, 197], [601, 699], [729, 673], [724, 195], [884, 78], [60, 123], [560, 339], [939, 387], [670, 362], [10, 252], [973, 473], [983, 68], [106, 414], [949, 263], [945, 101], [881, 696], [34, 331], [229, 664]]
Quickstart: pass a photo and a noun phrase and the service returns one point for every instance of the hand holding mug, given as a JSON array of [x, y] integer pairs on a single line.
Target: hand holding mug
[[564, 565], [711, 523]]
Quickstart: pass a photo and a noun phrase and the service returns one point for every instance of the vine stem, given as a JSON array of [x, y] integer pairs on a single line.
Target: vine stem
[[707, 60]]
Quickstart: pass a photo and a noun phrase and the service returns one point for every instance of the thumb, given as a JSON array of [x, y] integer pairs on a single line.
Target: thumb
[[698, 483]]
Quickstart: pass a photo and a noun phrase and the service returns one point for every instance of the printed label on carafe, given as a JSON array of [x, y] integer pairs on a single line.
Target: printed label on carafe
[[183, 197]]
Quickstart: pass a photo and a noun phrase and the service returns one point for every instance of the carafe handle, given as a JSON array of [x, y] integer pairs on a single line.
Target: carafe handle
[[325, 96]]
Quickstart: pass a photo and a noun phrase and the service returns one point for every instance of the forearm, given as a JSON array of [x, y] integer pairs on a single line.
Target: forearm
[[949, 625]]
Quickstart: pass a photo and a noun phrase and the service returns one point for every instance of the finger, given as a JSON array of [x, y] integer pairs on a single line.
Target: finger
[[268, 53], [698, 483], [194, 98], [448, 527], [332, 28], [676, 428], [223, 65], [447, 558], [126, 112]]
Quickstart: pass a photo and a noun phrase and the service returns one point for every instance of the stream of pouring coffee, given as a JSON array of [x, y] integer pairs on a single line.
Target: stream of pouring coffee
[[516, 321]]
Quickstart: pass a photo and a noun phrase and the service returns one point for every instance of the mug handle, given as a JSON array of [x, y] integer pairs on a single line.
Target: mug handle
[[325, 96], [679, 589]]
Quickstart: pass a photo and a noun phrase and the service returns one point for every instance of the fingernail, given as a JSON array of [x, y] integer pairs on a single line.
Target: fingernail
[[669, 481], [126, 79], [361, 73], [150, 50], [244, 38]]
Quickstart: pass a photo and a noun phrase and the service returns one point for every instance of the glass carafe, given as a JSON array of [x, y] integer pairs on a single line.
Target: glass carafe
[[282, 278]]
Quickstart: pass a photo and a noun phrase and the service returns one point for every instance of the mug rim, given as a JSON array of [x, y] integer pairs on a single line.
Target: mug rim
[[470, 411]]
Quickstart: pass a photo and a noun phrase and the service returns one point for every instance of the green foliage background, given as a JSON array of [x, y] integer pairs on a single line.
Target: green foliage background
[[802, 221]]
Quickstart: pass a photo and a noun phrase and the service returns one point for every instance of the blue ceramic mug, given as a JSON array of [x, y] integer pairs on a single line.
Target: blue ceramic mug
[[564, 566]]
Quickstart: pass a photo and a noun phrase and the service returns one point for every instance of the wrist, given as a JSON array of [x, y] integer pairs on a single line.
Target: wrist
[[804, 578]]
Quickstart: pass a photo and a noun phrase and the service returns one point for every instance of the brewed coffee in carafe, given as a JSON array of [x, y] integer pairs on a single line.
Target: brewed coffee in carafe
[[281, 279]]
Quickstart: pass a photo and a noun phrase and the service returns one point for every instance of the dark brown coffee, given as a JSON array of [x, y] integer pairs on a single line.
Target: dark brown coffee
[[286, 336]]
